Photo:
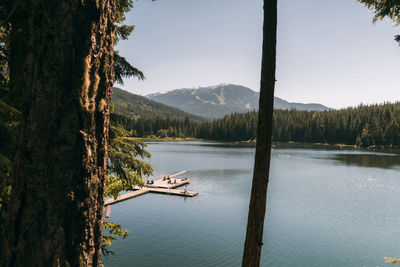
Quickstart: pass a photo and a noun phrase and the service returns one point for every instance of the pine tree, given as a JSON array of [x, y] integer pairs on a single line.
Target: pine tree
[[61, 69], [255, 224]]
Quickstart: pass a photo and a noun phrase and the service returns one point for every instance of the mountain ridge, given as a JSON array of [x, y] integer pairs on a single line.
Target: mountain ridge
[[219, 100]]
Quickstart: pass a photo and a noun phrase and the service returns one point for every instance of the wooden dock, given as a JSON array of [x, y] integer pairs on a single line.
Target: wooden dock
[[162, 186], [126, 196], [176, 192], [172, 183]]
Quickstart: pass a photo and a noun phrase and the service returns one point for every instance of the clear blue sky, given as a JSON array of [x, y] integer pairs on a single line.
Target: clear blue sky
[[329, 51]]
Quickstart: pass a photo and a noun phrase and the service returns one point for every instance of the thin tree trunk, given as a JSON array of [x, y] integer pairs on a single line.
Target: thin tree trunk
[[62, 67], [255, 223]]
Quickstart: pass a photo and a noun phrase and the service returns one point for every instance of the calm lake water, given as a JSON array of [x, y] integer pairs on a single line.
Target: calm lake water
[[326, 207]]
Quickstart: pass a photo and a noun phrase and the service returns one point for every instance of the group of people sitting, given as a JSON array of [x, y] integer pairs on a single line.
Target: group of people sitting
[[169, 180]]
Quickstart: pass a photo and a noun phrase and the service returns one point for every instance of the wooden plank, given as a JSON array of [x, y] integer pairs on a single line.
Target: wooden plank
[[174, 192], [126, 196], [176, 174]]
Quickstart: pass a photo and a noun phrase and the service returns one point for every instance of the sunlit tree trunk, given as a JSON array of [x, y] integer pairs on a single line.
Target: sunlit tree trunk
[[255, 223], [62, 70]]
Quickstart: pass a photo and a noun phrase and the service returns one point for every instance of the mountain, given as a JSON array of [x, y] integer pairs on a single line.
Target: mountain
[[217, 101], [283, 104], [135, 106]]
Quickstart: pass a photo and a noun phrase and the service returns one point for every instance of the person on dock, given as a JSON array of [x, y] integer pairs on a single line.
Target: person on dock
[[184, 192]]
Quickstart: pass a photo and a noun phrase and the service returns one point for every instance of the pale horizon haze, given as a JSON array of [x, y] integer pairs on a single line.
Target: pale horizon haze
[[328, 51]]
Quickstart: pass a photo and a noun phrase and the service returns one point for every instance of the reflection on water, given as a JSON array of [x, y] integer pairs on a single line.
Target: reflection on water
[[386, 161], [326, 207], [381, 158]]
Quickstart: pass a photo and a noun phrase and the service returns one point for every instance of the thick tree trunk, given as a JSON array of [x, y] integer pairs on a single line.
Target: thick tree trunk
[[255, 223], [62, 65]]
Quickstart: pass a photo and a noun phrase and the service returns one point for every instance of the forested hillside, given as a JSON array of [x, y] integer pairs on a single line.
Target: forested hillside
[[366, 126], [136, 106]]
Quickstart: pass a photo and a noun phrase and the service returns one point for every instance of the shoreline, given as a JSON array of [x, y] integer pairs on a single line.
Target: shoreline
[[339, 145], [274, 144], [167, 139]]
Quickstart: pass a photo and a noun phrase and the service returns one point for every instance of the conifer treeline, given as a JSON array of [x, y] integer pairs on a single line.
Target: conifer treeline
[[158, 126], [366, 126]]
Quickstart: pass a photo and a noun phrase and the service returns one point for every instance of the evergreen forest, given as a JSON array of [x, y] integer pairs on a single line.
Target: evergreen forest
[[365, 126]]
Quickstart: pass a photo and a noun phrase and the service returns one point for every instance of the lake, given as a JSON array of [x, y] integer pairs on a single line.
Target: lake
[[326, 207]]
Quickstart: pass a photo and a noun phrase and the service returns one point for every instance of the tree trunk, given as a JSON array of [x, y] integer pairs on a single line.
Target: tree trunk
[[62, 68], [255, 223]]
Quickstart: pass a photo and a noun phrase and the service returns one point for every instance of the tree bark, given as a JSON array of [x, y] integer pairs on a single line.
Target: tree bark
[[62, 68], [255, 223]]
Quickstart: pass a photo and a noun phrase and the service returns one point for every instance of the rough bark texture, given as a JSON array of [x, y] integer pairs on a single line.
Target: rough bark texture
[[62, 69], [255, 223]]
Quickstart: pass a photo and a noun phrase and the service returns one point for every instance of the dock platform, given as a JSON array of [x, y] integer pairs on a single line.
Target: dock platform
[[172, 183], [176, 192], [161, 186]]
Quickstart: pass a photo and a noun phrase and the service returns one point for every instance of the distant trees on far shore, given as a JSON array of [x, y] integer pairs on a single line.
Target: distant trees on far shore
[[366, 126]]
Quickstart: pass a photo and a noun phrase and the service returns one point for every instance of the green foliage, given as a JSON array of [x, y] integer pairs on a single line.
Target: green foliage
[[122, 30], [161, 126], [126, 169], [384, 9], [392, 260], [123, 69], [126, 162], [365, 126], [162, 133], [115, 231], [234, 127]]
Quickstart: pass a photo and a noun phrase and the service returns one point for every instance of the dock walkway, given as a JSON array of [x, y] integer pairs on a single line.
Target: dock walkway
[[126, 196]]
